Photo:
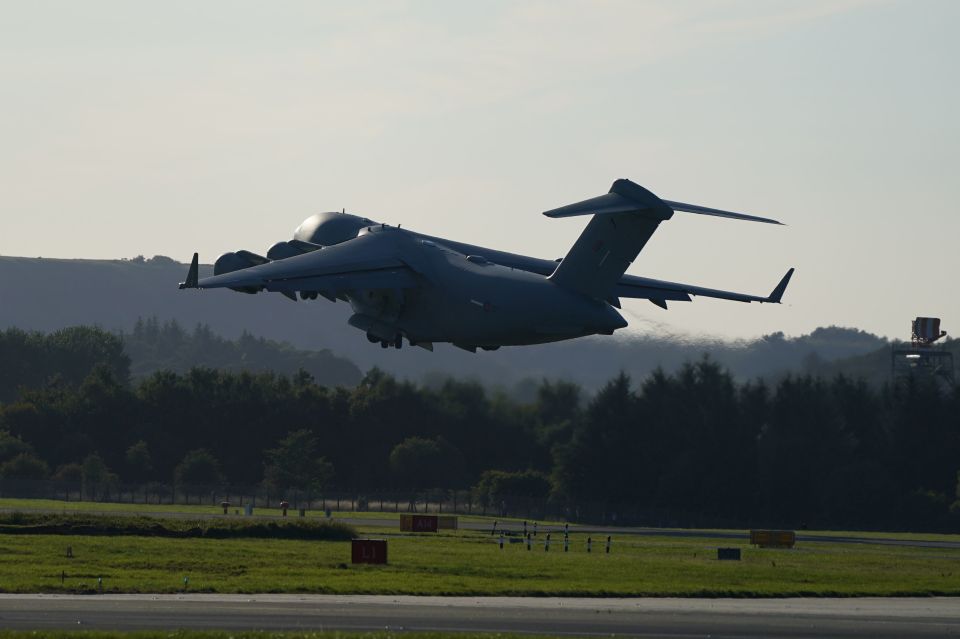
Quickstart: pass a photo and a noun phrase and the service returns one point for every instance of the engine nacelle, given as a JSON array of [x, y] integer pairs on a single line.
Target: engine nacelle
[[283, 250], [327, 229], [230, 262]]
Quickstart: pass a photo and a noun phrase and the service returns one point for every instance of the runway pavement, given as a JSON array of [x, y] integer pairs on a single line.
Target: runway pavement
[[667, 617]]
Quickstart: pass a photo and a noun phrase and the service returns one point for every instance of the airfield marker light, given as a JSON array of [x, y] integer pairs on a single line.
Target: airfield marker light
[[608, 544], [69, 552], [528, 541], [100, 584], [524, 527], [534, 529], [501, 540], [494, 529], [284, 505], [546, 543], [566, 529], [225, 505], [566, 543], [63, 576], [589, 543], [186, 582]]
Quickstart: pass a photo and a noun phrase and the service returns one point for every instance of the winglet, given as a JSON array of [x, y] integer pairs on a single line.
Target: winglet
[[781, 287], [193, 276]]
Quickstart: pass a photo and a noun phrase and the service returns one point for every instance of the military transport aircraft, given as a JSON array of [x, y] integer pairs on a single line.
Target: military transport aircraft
[[403, 284]]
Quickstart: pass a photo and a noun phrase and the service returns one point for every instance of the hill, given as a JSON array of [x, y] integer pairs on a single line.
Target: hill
[[154, 346], [49, 294], [874, 366]]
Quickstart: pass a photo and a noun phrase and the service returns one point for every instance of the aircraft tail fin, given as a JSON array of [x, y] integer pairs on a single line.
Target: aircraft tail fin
[[623, 221]]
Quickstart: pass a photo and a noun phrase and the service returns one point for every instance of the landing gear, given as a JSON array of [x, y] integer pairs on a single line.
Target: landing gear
[[396, 342]]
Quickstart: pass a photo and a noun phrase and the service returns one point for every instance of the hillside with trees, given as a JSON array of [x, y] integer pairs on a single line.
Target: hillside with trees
[[67, 356], [52, 294], [693, 447]]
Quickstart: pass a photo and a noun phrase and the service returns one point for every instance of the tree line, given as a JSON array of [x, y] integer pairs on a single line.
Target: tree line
[[832, 452]]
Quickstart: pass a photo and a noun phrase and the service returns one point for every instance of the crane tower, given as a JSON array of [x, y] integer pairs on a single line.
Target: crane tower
[[923, 357]]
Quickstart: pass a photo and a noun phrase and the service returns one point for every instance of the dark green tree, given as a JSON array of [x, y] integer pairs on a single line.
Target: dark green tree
[[419, 463], [497, 485], [197, 468], [97, 478], [24, 466], [138, 462], [296, 464]]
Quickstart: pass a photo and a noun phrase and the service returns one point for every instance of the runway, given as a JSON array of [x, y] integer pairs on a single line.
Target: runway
[[667, 617]]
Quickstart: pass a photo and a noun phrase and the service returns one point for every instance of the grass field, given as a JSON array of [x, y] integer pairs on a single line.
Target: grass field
[[465, 563], [223, 634], [52, 505], [79, 523], [455, 563]]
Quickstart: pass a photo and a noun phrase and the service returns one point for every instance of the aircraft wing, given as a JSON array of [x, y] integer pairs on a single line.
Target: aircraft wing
[[660, 292], [332, 269]]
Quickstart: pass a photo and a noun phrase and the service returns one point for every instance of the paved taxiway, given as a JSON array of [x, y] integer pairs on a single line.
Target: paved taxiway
[[667, 617]]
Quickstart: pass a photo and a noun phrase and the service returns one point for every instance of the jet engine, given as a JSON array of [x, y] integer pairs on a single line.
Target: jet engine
[[229, 262]]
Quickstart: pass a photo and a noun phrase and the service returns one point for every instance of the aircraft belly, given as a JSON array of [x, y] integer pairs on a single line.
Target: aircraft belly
[[479, 305], [492, 306]]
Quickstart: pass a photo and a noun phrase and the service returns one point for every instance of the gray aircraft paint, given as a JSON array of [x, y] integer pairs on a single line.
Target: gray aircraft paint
[[402, 284]]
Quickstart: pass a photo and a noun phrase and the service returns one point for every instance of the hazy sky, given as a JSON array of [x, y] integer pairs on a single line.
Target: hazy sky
[[162, 128]]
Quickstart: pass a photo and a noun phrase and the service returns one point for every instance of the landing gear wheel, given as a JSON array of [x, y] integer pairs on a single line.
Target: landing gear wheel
[[373, 339], [384, 344], [398, 341]]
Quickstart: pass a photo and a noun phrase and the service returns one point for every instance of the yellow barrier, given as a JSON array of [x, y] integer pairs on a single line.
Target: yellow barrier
[[427, 523], [773, 538]]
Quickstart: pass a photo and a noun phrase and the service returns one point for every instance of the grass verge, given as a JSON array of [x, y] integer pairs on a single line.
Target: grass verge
[[223, 634], [107, 525], [467, 563]]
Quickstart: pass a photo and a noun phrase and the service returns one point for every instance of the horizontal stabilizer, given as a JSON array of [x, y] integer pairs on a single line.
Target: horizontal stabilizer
[[626, 196], [703, 210]]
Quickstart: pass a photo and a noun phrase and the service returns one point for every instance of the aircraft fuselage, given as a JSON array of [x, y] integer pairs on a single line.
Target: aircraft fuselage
[[472, 302]]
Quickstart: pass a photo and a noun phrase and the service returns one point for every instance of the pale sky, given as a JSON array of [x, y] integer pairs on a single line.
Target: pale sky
[[163, 128]]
